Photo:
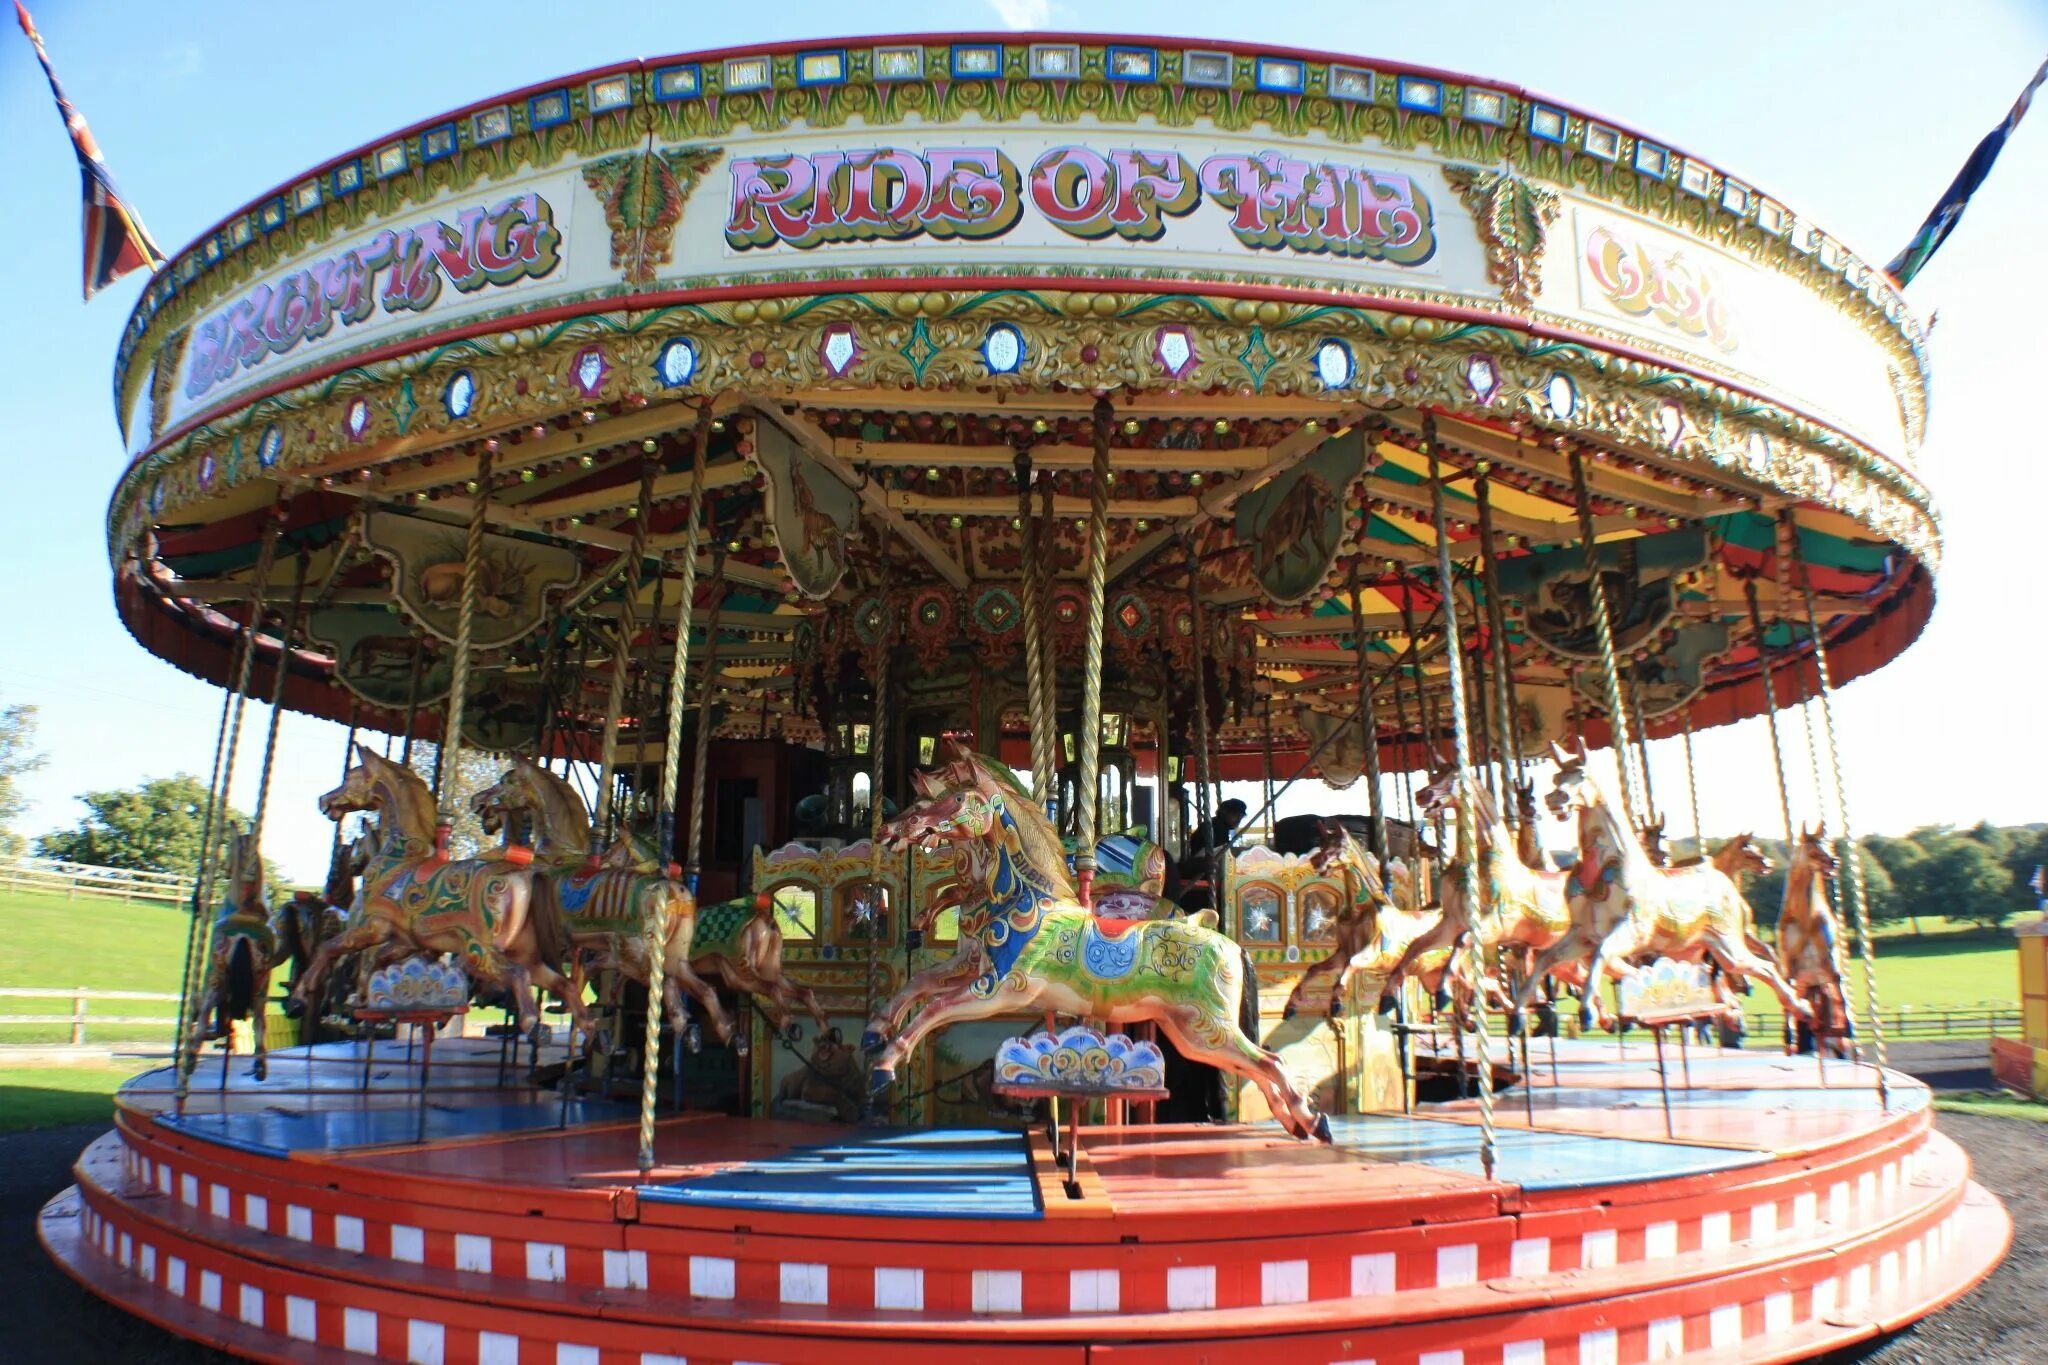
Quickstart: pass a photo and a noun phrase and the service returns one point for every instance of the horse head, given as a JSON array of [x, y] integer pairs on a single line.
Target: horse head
[[1572, 788], [1525, 801], [961, 815], [1741, 856], [1334, 844], [519, 788], [376, 783], [1815, 850], [244, 897], [1653, 842], [1441, 793]]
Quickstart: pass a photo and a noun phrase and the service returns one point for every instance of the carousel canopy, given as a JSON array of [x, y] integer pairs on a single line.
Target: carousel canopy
[[878, 302]]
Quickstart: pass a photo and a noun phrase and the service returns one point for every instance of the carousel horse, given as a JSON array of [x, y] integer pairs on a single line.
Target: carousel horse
[[1623, 905], [1528, 847], [965, 964], [1810, 945], [413, 896], [1518, 904], [601, 903], [1370, 931], [241, 950], [1042, 952]]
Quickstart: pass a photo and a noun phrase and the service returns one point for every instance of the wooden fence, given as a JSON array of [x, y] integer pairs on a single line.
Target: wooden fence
[[81, 999], [73, 880]]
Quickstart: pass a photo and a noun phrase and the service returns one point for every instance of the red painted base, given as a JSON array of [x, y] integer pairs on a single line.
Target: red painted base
[[1774, 1227]]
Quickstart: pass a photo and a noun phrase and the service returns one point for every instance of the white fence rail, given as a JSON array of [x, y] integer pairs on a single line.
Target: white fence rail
[[81, 999], [73, 880]]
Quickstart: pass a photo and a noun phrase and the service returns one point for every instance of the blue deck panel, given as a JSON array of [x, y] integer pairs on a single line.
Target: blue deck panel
[[1535, 1160], [946, 1173]]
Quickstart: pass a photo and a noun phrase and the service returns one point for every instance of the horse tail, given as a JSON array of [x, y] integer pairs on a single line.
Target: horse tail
[[240, 987], [1248, 998], [550, 933]]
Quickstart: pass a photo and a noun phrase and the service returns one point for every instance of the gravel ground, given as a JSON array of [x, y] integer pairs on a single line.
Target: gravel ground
[[47, 1317]]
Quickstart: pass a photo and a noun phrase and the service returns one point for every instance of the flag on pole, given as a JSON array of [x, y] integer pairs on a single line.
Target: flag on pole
[[115, 240], [1948, 211]]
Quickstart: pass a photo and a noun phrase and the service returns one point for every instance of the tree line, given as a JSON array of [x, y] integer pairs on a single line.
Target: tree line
[[1981, 874]]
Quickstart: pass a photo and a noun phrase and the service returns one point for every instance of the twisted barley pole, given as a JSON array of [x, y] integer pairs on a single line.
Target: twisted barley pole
[[448, 758], [1763, 663], [1692, 790], [1468, 838], [1043, 727], [654, 930], [622, 652], [1200, 625], [1507, 717], [1088, 756], [1852, 856], [278, 680], [1368, 723], [217, 805], [702, 759], [877, 747], [1603, 627]]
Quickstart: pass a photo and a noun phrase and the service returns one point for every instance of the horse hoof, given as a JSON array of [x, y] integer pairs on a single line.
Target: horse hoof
[[880, 1080], [294, 1009], [740, 1046], [259, 1070], [1514, 1019], [1321, 1131], [1386, 1005], [1586, 1019], [793, 1032], [1287, 1010], [693, 1039], [871, 1042]]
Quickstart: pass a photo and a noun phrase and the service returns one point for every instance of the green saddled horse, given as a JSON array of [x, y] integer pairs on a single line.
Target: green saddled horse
[[1042, 952], [735, 941]]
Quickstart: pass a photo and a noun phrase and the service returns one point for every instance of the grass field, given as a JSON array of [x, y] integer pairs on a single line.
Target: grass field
[[1998, 1105], [47, 940], [47, 1096]]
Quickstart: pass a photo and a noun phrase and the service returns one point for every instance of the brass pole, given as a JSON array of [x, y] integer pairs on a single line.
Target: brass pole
[[1468, 839], [1368, 720], [1088, 752], [448, 754], [1603, 627], [1044, 725]]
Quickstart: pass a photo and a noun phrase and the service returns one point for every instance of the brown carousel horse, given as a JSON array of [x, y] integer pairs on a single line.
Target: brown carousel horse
[[1810, 946], [241, 950], [1370, 931], [604, 904], [1623, 905], [483, 910], [1519, 906]]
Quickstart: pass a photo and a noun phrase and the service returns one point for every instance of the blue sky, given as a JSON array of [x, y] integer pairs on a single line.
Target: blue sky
[[1857, 114]]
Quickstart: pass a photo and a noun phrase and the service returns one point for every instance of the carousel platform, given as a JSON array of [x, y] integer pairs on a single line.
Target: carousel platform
[[1785, 1213]]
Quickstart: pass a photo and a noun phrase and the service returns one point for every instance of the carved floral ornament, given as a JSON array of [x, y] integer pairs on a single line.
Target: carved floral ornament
[[1235, 349]]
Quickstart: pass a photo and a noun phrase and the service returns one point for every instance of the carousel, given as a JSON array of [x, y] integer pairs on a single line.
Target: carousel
[[845, 518]]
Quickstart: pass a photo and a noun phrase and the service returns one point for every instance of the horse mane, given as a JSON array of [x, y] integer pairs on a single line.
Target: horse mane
[[1042, 846]]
